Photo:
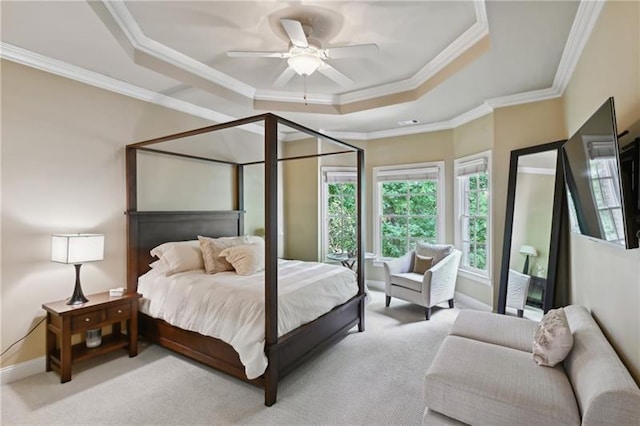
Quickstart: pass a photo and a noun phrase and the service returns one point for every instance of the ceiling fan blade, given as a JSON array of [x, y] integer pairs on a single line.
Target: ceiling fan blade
[[354, 51], [241, 54], [284, 78], [333, 74], [295, 32]]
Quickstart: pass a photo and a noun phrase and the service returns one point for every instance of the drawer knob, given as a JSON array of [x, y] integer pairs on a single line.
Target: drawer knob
[[119, 311], [87, 319]]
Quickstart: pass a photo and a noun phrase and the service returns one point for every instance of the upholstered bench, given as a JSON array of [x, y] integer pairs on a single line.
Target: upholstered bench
[[484, 374]]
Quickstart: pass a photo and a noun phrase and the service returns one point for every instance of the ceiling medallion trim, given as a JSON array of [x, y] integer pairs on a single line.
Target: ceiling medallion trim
[[140, 42]]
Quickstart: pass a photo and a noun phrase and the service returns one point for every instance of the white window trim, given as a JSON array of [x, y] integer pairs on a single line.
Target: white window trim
[[324, 197], [440, 226], [473, 274]]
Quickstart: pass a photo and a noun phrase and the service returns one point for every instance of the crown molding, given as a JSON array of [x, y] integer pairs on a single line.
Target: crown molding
[[297, 97], [586, 17], [583, 24], [524, 98], [73, 72], [140, 42]]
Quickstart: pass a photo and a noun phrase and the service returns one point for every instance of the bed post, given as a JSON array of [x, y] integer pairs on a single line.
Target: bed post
[[131, 166], [360, 235], [271, 258]]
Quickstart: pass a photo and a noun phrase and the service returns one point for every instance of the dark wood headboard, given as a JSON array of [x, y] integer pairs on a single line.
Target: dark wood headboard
[[148, 229]]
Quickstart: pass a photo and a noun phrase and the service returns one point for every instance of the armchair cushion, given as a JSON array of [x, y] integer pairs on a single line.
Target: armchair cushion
[[410, 280], [421, 264], [436, 251]]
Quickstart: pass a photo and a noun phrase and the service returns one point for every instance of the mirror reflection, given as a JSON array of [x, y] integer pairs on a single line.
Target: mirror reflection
[[531, 233]]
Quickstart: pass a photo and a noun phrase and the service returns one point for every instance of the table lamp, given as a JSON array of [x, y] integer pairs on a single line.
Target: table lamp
[[77, 249], [527, 251]]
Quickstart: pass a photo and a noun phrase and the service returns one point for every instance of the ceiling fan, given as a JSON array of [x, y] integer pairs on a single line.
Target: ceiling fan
[[305, 55]]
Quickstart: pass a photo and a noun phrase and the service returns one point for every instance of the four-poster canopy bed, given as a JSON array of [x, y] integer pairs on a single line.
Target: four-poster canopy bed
[[148, 229]]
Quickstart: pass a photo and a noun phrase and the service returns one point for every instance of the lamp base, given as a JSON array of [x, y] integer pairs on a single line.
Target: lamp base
[[78, 297]]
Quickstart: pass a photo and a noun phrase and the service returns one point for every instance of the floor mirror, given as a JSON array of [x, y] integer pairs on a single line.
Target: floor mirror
[[532, 231]]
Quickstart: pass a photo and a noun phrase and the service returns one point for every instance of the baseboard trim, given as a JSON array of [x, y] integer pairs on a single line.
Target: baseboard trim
[[13, 373], [471, 302]]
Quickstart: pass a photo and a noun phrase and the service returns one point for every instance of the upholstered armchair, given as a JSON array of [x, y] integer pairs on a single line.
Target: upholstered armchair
[[405, 280], [517, 291]]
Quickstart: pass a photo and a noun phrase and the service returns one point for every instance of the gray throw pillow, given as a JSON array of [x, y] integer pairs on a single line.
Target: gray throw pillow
[[436, 251]]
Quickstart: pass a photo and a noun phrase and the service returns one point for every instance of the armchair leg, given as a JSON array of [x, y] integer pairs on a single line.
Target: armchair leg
[[451, 303], [427, 313], [520, 313], [387, 300]]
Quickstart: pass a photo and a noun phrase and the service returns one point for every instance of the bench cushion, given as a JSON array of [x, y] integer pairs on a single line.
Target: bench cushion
[[481, 383], [503, 330]]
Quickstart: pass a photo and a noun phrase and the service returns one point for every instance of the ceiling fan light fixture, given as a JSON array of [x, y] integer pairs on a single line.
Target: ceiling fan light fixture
[[304, 63]]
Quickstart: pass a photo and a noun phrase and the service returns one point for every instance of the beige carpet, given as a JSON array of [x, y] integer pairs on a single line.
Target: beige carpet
[[368, 378]]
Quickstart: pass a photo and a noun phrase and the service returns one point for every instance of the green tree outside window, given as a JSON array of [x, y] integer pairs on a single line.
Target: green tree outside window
[[409, 215], [341, 217]]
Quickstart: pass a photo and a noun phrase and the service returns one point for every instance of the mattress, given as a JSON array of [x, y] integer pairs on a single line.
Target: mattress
[[230, 307]]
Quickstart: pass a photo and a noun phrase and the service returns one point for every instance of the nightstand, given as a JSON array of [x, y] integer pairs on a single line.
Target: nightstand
[[101, 310]]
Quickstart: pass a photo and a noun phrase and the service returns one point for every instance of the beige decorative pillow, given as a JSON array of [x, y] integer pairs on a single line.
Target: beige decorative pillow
[[552, 340], [436, 251], [178, 256], [421, 264], [211, 248], [246, 259]]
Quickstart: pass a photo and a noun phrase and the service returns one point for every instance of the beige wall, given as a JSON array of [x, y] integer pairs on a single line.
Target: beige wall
[[168, 183], [606, 279], [63, 171], [472, 138], [300, 201]]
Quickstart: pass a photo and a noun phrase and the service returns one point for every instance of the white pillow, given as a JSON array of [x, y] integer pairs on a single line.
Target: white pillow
[[552, 340], [211, 248], [246, 259], [179, 256]]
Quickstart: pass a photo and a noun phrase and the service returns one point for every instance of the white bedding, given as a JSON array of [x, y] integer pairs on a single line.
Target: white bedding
[[231, 307]]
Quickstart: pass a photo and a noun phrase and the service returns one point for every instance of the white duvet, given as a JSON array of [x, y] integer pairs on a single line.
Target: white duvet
[[230, 307]]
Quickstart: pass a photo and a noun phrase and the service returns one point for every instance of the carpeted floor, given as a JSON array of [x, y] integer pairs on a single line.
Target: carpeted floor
[[375, 377]]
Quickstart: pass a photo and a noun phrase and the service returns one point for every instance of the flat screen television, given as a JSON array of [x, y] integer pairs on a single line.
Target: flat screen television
[[602, 181]]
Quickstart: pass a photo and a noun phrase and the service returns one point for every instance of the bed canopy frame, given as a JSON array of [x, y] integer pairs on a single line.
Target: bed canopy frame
[[147, 229]]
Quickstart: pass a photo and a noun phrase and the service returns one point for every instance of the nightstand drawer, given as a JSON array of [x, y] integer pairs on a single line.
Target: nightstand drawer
[[86, 320], [120, 312]]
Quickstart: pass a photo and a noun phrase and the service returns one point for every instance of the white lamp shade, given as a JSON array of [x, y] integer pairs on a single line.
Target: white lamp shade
[[77, 248], [529, 250]]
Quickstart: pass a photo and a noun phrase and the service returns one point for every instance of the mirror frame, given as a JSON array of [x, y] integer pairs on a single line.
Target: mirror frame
[[558, 211]]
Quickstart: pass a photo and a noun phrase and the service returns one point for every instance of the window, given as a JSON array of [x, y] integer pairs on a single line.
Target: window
[[473, 218], [339, 218], [410, 207]]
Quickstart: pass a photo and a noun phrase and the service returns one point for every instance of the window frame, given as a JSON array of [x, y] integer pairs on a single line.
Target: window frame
[[352, 172], [475, 274], [377, 208]]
